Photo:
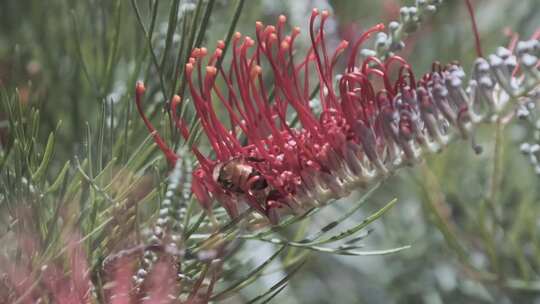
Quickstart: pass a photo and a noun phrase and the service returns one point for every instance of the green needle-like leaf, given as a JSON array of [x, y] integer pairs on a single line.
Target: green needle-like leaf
[[49, 148]]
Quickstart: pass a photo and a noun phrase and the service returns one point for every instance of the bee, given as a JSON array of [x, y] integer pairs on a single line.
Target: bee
[[238, 176]]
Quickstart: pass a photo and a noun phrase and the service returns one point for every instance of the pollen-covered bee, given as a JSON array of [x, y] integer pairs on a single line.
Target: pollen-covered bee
[[238, 176]]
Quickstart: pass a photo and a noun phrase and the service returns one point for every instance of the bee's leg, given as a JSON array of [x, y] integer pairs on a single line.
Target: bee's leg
[[254, 159]]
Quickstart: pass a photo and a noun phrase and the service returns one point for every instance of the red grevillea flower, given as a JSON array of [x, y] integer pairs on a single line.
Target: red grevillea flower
[[369, 123]]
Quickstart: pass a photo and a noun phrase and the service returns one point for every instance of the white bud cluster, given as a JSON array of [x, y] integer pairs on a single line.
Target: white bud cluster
[[494, 79], [528, 111], [386, 44], [426, 119]]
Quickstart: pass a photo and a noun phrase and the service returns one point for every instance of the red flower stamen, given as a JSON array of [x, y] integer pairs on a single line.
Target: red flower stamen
[[169, 154], [369, 124]]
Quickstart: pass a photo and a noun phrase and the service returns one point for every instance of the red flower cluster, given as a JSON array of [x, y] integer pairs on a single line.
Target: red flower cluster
[[368, 124]]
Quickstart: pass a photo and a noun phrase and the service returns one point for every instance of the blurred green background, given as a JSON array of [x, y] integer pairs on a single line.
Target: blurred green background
[[78, 62]]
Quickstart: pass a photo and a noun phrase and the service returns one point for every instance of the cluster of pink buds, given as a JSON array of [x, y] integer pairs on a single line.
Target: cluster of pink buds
[[373, 118]]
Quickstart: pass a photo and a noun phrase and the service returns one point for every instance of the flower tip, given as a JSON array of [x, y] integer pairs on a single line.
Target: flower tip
[[259, 26], [176, 99], [325, 14], [270, 29], [195, 52], [211, 70], [379, 27], [296, 31], [314, 12], [221, 44], [282, 19], [139, 88], [237, 35], [256, 71], [203, 51], [189, 67], [249, 42]]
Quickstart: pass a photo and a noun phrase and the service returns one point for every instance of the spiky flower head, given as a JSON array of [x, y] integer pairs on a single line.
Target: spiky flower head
[[368, 120]]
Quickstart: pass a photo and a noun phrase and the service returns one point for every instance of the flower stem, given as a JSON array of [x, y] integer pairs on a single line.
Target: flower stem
[[495, 181], [478, 45], [434, 204]]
